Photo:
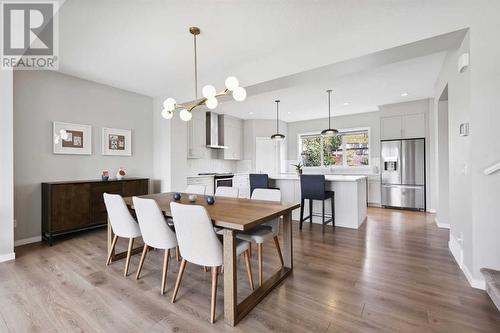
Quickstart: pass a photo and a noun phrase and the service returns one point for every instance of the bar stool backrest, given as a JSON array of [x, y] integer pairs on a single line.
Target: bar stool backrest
[[312, 187], [258, 180]]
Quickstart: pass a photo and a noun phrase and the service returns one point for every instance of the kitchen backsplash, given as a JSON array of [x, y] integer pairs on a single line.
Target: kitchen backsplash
[[201, 165]]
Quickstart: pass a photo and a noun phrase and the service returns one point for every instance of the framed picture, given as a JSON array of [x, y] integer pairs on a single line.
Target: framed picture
[[72, 139], [116, 142]]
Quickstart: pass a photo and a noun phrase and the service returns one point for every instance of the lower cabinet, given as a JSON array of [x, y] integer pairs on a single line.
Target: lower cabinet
[[74, 206], [208, 182], [242, 182]]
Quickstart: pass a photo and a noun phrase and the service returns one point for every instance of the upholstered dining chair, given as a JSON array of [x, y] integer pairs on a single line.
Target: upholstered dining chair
[[200, 245], [196, 189], [155, 232], [122, 223], [226, 191], [265, 231]]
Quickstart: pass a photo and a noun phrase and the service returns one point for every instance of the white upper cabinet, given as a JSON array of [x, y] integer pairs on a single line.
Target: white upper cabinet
[[391, 128], [402, 127], [196, 137], [233, 138], [414, 126]]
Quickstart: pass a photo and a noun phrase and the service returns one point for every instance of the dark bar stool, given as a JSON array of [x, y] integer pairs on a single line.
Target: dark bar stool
[[312, 187], [258, 180]]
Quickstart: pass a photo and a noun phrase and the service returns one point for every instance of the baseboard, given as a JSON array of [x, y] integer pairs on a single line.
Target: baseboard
[[456, 251], [25, 241], [7, 257], [441, 225]]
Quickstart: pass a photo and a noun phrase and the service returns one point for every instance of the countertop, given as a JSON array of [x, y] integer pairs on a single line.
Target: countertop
[[328, 178]]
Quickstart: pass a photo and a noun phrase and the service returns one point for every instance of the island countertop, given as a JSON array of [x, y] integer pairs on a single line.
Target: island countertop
[[328, 178]]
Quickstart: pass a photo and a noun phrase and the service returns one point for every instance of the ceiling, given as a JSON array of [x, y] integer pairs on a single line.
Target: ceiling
[[272, 47]]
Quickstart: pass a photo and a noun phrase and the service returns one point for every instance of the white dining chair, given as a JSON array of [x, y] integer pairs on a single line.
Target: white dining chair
[[155, 232], [200, 245], [265, 231], [227, 191], [122, 223], [196, 189]]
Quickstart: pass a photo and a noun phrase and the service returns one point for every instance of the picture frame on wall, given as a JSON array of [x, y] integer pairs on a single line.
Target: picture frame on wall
[[116, 142], [71, 139]]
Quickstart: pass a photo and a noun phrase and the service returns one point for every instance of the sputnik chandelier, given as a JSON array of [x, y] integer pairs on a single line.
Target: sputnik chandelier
[[209, 93]]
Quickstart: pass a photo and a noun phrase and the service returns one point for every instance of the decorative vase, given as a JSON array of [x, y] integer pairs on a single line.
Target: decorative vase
[[120, 174], [177, 196], [105, 176], [192, 197], [299, 172], [210, 200]]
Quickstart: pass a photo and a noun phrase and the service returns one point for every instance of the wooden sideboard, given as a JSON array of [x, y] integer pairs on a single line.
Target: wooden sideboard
[[72, 206]]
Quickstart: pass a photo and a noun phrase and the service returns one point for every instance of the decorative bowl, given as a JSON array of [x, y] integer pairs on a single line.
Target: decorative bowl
[[177, 196], [210, 200], [192, 197]]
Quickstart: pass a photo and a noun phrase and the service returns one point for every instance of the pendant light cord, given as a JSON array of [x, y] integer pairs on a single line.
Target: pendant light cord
[[277, 117], [195, 71], [329, 116]]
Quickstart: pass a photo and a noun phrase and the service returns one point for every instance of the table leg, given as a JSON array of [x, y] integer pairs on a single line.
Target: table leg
[[287, 240], [230, 285]]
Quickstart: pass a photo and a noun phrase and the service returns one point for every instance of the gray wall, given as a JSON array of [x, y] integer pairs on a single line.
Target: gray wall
[[41, 97], [6, 167]]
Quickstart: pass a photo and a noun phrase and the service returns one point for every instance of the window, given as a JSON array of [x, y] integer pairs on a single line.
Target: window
[[349, 148]]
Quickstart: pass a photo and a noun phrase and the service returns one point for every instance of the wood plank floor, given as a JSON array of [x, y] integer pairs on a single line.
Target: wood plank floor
[[395, 274]]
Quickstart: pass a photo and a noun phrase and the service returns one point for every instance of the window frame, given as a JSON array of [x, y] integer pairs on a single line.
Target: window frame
[[344, 149]]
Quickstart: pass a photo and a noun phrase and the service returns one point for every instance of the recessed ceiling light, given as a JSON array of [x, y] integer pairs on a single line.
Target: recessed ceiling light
[[404, 94], [289, 112], [250, 112], [346, 104]]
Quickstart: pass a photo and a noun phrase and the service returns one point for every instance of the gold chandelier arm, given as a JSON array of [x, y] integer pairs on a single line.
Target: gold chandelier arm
[[222, 93]]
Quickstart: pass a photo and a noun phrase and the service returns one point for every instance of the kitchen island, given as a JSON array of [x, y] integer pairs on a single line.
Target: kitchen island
[[350, 197]]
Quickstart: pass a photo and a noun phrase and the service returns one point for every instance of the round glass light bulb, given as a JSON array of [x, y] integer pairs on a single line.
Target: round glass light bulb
[[239, 94], [232, 83], [211, 103], [185, 115], [169, 104], [209, 91], [167, 114]]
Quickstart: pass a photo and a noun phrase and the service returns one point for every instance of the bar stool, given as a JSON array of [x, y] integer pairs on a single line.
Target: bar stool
[[312, 187], [258, 180]]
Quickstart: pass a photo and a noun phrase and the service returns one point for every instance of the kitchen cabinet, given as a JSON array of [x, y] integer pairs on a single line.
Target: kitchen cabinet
[[242, 182], [196, 140], [374, 195], [233, 138], [408, 126]]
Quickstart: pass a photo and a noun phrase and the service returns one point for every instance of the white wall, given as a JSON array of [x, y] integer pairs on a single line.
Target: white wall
[[6, 167], [443, 169], [41, 97], [253, 128]]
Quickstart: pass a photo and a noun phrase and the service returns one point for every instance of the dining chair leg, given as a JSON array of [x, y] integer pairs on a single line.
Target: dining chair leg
[[333, 209], [259, 252], [177, 254], [205, 268], [214, 293], [141, 262], [249, 268], [179, 278], [129, 252], [113, 244], [278, 248], [166, 260], [250, 249]]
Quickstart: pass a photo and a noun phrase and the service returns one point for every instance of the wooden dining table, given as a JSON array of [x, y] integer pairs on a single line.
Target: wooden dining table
[[235, 215]]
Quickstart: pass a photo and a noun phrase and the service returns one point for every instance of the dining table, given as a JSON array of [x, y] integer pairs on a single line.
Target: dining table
[[234, 215]]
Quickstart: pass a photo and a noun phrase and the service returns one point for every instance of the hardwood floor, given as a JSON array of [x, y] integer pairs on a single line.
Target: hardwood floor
[[394, 274]]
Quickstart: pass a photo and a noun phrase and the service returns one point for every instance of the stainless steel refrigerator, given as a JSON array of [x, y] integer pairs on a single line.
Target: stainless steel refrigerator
[[403, 173]]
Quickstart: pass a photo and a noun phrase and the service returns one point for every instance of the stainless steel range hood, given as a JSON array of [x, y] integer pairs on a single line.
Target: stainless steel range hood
[[215, 131]]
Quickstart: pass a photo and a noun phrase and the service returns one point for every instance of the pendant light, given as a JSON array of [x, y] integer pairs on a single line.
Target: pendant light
[[277, 136], [329, 131], [209, 93]]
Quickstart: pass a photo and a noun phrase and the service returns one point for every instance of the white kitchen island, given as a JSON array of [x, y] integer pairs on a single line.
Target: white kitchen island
[[350, 198]]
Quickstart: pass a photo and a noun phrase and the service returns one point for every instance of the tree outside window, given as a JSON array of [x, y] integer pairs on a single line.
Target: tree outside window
[[348, 148]]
